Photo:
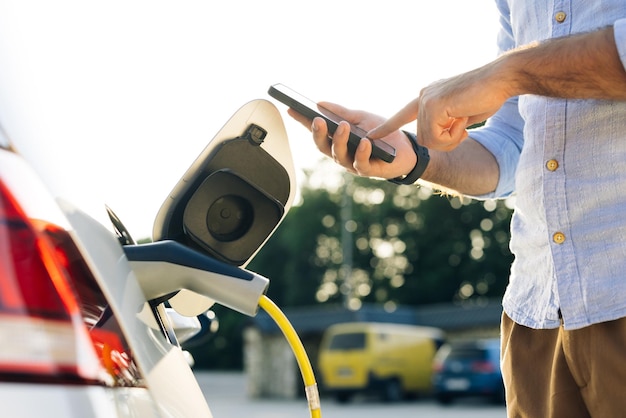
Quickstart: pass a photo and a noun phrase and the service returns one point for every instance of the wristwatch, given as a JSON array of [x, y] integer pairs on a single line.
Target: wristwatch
[[420, 166]]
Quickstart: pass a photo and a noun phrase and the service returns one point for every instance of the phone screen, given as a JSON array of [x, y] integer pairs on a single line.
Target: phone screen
[[310, 109]]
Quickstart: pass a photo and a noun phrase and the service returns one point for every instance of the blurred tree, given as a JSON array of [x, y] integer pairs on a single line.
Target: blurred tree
[[403, 245], [361, 240]]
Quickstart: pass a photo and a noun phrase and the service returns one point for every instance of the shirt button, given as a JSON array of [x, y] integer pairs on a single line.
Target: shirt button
[[552, 165], [560, 17], [558, 238]]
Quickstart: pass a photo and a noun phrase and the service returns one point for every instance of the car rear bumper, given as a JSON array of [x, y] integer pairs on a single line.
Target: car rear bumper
[[31, 400]]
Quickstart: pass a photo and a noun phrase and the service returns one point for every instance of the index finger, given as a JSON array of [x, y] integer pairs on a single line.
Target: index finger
[[406, 115]]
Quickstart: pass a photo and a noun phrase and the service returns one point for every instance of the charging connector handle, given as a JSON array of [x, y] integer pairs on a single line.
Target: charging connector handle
[[165, 267]]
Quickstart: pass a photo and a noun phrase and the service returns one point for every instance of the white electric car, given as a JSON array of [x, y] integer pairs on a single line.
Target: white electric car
[[90, 322]]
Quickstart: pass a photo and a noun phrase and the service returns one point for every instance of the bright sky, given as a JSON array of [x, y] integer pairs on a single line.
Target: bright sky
[[112, 101]]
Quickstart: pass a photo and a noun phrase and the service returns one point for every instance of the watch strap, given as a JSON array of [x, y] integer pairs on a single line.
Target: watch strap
[[423, 157]]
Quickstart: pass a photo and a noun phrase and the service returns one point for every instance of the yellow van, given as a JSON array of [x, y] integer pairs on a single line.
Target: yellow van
[[391, 360]]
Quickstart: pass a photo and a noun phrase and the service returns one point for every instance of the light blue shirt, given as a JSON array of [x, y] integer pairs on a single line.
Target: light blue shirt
[[565, 163]]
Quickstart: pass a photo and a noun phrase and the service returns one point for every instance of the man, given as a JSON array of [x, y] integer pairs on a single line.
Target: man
[[555, 104]]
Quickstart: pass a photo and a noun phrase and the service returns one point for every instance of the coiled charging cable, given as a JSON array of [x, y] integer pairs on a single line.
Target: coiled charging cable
[[310, 386]]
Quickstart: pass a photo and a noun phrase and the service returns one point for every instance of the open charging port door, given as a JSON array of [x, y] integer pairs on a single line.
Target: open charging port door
[[237, 191]]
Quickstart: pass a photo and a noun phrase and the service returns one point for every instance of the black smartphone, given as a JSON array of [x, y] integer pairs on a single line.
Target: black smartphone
[[310, 109]]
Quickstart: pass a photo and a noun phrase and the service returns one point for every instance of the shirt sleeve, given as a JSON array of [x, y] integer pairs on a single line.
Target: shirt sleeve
[[619, 32], [503, 136], [506, 40]]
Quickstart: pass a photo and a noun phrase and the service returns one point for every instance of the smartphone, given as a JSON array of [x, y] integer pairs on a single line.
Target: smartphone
[[310, 109]]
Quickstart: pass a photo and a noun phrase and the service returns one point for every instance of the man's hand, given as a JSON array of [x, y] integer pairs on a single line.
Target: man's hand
[[360, 163], [446, 108]]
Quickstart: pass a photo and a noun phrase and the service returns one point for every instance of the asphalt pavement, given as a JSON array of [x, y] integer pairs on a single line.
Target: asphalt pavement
[[227, 397]]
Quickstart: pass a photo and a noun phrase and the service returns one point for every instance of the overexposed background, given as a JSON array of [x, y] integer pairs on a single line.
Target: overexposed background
[[112, 101]]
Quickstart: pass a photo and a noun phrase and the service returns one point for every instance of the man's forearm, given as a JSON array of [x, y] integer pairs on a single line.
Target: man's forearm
[[583, 66], [469, 169]]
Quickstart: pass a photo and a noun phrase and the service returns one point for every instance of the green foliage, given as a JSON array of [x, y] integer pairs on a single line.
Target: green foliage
[[373, 241]]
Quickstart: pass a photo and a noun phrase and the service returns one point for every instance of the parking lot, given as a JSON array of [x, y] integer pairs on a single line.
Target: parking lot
[[226, 394]]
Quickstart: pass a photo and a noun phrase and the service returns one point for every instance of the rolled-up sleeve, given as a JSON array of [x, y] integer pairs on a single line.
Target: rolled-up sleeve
[[503, 136], [619, 32]]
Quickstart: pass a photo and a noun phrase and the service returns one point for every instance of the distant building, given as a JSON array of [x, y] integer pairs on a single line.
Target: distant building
[[271, 367]]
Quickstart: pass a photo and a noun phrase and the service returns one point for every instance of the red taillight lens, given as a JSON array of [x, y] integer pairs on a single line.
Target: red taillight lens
[[26, 284], [49, 333], [482, 367]]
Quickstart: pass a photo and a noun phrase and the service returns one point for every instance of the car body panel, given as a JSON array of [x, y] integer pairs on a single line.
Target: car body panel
[[34, 400], [161, 362]]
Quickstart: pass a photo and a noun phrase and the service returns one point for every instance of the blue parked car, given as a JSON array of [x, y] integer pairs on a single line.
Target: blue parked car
[[468, 368]]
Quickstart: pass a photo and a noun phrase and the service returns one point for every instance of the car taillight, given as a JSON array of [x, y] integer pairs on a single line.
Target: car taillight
[[48, 333], [482, 367]]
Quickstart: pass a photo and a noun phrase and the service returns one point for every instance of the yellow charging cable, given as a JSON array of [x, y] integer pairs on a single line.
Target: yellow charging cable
[[310, 386]]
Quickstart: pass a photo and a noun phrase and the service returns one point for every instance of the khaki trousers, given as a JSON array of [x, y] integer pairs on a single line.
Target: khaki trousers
[[553, 373]]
